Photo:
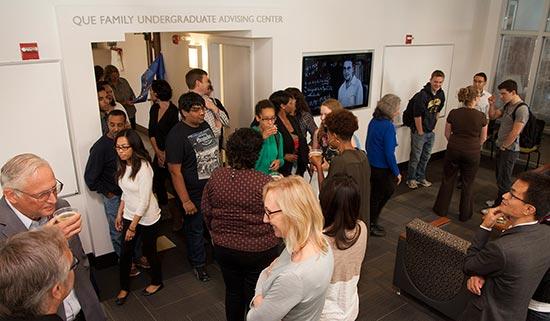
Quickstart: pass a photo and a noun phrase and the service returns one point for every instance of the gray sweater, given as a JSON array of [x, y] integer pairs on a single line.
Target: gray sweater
[[293, 291]]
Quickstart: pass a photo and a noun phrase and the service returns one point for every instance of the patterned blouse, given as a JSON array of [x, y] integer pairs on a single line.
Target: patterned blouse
[[233, 209], [307, 124]]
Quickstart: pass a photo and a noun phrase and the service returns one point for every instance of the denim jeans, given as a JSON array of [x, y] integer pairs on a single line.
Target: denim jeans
[[111, 208], [421, 150], [506, 159], [194, 231], [533, 315]]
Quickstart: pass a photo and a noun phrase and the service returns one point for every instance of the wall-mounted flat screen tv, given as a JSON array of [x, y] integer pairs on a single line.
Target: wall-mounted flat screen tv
[[342, 76]]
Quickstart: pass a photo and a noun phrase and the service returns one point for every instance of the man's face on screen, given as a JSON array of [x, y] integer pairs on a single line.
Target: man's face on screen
[[348, 70]]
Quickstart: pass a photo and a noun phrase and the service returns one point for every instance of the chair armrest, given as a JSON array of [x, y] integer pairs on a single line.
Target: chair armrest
[[435, 223]]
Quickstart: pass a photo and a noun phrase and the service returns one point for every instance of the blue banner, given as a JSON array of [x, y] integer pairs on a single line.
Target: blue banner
[[155, 70]]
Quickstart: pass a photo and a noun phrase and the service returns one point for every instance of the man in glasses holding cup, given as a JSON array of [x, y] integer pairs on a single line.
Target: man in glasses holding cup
[[30, 198], [504, 273]]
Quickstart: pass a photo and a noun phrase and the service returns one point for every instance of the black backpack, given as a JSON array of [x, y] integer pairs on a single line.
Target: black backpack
[[408, 119], [528, 136]]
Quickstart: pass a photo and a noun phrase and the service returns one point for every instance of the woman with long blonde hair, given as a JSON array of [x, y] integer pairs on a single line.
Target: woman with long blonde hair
[[293, 287]]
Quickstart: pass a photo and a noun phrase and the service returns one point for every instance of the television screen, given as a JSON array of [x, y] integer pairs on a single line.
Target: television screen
[[342, 76]]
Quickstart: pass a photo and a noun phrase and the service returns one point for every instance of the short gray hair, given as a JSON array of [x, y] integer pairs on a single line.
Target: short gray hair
[[387, 106], [32, 264], [19, 168]]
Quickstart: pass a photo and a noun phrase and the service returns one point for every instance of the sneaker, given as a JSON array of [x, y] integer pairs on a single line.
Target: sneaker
[[134, 271], [424, 182], [490, 203], [201, 274], [412, 184], [143, 263]]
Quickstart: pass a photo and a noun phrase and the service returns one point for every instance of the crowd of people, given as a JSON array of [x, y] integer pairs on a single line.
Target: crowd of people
[[285, 253]]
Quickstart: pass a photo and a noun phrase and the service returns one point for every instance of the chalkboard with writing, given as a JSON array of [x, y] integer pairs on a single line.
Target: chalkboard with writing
[[344, 76]]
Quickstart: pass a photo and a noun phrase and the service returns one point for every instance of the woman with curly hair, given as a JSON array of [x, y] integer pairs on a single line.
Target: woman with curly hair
[[340, 125], [233, 210], [466, 130]]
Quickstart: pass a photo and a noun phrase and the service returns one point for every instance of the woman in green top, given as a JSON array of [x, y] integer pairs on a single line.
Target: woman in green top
[[271, 155]]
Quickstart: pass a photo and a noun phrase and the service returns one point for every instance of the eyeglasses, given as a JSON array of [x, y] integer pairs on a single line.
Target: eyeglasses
[[514, 196], [45, 195], [123, 147], [269, 213], [75, 263], [269, 119]]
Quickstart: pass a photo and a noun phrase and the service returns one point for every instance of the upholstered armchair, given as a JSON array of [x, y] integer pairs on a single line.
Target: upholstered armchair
[[428, 266]]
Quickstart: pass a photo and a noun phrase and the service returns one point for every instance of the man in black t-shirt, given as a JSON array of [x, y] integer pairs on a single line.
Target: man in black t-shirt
[[192, 154]]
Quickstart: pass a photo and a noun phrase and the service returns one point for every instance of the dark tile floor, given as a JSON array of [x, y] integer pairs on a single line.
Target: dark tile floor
[[185, 298]]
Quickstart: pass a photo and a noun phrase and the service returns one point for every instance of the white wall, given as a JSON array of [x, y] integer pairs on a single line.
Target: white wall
[[328, 26], [176, 61]]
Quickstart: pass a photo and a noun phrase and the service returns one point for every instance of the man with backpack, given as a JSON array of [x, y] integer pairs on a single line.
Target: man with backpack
[[513, 116], [421, 116]]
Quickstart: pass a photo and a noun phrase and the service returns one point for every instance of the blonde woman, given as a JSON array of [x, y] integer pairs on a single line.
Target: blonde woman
[[293, 287]]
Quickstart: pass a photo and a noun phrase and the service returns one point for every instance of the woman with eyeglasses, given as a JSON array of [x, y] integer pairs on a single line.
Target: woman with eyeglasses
[[293, 287], [466, 131], [233, 211], [271, 156], [139, 213]]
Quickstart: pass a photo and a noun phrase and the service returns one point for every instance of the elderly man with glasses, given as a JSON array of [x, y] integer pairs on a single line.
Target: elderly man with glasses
[[506, 272], [36, 274], [30, 197]]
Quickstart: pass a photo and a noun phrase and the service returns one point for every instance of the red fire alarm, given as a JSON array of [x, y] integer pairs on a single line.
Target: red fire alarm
[[175, 39], [29, 50], [408, 39]]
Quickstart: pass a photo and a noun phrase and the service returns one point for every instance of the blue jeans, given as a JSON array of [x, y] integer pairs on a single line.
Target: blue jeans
[[505, 167], [194, 231], [111, 208], [421, 150], [537, 316]]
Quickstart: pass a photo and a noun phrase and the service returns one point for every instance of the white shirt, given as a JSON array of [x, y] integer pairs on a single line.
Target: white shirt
[[351, 95], [521, 224], [71, 304], [137, 195], [210, 118], [483, 103]]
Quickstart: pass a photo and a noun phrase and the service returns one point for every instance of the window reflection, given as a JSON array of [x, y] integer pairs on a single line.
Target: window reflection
[[514, 61], [540, 104], [524, 15]]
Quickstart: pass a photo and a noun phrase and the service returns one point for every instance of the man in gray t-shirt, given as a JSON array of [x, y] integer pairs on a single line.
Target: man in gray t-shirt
[[513, 117]]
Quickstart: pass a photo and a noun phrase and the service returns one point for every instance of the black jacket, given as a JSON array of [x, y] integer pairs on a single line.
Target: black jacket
[[427, 105], [101, 167], [512, 265]]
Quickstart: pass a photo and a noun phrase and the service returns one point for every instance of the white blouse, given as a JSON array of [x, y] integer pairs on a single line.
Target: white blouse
[[137, 195]]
